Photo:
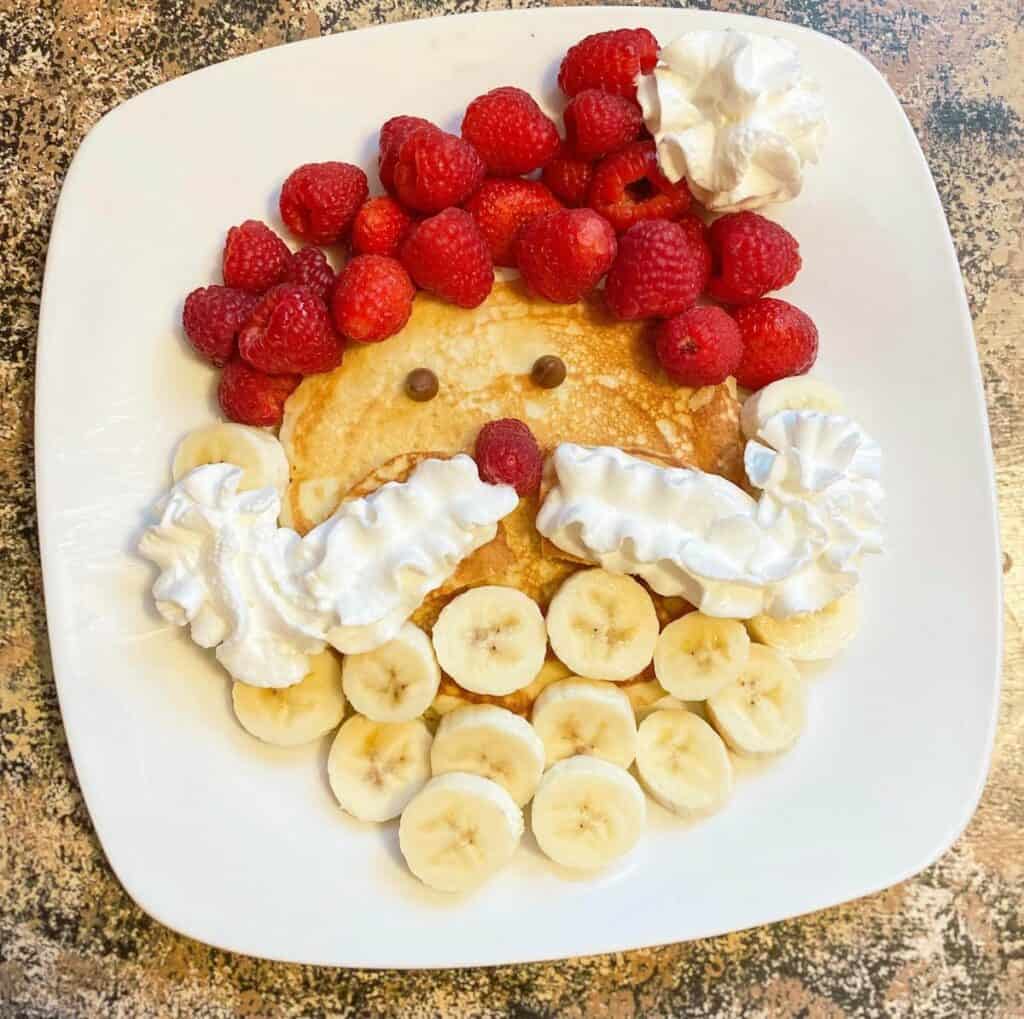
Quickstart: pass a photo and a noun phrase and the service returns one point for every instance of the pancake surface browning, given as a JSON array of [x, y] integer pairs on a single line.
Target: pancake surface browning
[[350, 431], [341, 426]]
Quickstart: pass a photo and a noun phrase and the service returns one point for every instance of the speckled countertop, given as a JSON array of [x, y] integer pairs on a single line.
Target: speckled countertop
[[950, 942]]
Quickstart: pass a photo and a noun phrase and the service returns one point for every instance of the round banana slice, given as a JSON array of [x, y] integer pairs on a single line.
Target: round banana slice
[[584, 716], [811, 636], [458, 830], [761, 713], [603, 625], [376, 768], [698, 655], [395, 683], [682, 762], [796, 393], [491, 640], [483, 739], [289, 716], [587, 813], [258, 453]]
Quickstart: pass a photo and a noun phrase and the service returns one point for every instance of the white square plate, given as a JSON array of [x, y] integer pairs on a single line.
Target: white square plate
[[240, 845]]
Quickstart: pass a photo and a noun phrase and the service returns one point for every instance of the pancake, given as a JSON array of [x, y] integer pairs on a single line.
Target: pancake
[[341, 426], [350, 431]]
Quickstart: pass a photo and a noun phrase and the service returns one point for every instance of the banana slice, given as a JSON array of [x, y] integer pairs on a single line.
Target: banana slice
[[587, 813], [763, 711], [682, 762], [486, 740], [698, 655], [796, 393], [395, 683], [458, 830], [811, 636], [583, 716], [491, 640], [258, 453], [289, 716], [376, 768], [603, 625]]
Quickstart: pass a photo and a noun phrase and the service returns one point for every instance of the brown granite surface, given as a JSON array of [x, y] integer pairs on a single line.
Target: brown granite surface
[[950, 942]]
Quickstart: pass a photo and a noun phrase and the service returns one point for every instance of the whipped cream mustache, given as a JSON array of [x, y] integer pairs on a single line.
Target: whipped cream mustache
[[735, 115], [267, 599], [797, 548]]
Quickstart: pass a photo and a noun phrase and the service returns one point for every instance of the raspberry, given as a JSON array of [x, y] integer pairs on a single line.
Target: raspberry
[[658, 272], [610, 61], [373, 298], [290, 333], [628, 187], [448, 256], [255, 258], [393, 134], [510, 131], [310, 268], [507, 454], [380, 227], [435, 170], [597, 123], [318, 200], [252, 397], [562, 255], [696, 230], [502, 206], [751, 256], [568, 176], [700, 347], [779, 340], [212, 317]]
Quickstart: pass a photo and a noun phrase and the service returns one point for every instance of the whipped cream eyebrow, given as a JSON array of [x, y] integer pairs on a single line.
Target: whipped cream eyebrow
[[796, 548], [735, 114]]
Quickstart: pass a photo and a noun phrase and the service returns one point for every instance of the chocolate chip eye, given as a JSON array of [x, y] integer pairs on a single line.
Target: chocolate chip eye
[[548, 371], [421, 385]]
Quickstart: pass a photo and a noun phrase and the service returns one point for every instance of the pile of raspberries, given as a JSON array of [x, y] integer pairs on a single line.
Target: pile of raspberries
[[568, 210]]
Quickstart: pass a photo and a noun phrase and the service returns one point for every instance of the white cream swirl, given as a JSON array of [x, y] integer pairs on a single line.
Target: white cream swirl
[[229, 572], [696, 535], [267, 599], [735, 115]]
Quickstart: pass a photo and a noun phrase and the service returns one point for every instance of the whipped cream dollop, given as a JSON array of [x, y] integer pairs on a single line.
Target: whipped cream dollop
[[267, 599], [231, 574], [735, 115], [796, 548]]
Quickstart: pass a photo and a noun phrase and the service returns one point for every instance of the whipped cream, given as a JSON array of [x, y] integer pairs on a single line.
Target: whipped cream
[[735, 115], [267, 599], [695, 535], [231, 574], [378, 557]]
